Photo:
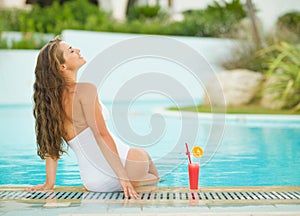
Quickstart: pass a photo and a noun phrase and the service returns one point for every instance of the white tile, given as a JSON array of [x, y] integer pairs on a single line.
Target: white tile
[[57, 204]]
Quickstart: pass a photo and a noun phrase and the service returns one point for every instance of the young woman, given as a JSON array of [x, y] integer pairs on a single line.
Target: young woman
[[67, 110]]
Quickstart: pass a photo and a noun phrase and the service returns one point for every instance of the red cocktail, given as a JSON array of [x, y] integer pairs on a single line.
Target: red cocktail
[[194, 169]]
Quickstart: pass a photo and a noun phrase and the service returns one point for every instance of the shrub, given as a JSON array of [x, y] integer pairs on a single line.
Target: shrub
[[284, 70], [288, 27], [143, 12], [10, 19], [246, 55], [217, 20], [30, 41], [27, 41], [3, 43]]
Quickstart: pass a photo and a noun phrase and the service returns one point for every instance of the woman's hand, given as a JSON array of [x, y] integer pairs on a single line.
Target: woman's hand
[[40, 187], [128, 189], [51, 165]]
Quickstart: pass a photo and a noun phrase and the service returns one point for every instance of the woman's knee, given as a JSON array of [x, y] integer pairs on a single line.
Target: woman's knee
[[137, 164], [137, 155]]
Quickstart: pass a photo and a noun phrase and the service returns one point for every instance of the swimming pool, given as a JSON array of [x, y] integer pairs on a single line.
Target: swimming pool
[[251, 153]]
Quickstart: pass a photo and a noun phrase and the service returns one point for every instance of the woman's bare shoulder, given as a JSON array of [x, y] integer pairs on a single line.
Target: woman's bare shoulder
[[86, 88]]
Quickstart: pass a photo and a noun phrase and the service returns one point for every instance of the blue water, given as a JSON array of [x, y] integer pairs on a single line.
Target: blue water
[[251, 153]]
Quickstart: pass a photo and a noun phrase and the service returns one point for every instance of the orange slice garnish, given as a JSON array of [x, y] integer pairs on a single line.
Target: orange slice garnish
[[197, 151]]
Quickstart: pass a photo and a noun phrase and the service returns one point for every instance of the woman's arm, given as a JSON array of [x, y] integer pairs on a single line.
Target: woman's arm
[[51, 166], [93, 114], [109, 149]]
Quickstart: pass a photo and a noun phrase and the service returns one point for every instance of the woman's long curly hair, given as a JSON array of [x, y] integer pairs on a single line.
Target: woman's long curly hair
[[48, 109]]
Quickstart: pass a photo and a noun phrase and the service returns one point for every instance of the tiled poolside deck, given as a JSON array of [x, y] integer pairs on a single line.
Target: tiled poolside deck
[[67, 201]]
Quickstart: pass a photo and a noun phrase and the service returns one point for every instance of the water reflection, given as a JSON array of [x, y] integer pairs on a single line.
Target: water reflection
[[251, 152]]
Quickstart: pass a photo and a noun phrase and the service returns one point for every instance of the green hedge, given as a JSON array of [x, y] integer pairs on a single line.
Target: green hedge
[[10, 19], [217, 20], [27, 40], [143, 12], [79, 14]]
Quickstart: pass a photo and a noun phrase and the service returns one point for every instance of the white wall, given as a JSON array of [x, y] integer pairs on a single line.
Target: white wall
[[17, 76], [17, 66]]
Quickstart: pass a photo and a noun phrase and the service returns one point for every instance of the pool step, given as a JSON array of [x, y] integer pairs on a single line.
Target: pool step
[[211, 196]]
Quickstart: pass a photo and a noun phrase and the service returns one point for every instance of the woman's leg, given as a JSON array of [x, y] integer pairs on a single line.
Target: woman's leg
[[140, 168]]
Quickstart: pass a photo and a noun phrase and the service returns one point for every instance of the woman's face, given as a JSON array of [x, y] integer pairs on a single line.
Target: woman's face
[[72, 57]]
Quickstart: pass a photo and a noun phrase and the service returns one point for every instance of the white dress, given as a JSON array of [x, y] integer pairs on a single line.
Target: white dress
[[95, 172]]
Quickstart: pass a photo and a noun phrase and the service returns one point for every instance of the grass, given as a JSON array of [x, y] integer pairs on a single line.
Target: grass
[[246, 109]]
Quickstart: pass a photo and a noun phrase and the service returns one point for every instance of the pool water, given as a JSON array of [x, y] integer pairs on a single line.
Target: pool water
[[251, 153]]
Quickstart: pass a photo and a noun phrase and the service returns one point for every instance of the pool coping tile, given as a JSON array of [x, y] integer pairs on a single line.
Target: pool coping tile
[[152, 208]]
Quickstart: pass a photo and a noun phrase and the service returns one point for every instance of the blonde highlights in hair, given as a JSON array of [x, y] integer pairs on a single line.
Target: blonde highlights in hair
[[48, 109]]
